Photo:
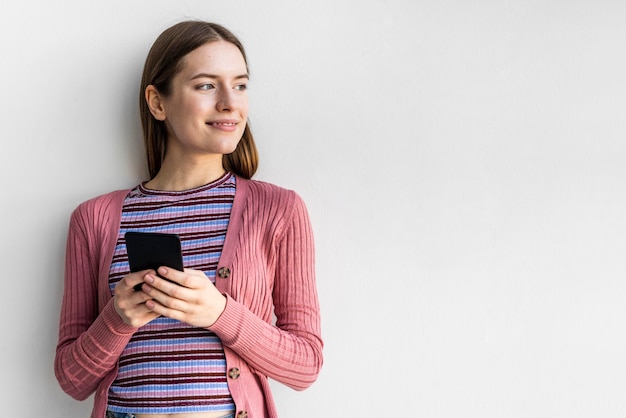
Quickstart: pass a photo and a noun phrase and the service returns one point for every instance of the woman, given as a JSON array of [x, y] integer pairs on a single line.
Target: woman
[[244, 309]]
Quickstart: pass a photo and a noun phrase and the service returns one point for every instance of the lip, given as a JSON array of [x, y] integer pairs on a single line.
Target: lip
[[227, 125]]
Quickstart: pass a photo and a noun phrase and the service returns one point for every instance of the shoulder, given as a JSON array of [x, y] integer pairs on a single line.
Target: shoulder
[[272, 202], [104, 202], [266, 194], [99, 209], [263, 188], [270, 195]]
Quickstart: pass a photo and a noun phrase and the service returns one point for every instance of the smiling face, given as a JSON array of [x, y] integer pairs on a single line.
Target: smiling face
[[207, 107]]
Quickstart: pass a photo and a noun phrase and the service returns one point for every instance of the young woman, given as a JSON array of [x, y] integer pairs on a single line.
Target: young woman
[[245, 308]]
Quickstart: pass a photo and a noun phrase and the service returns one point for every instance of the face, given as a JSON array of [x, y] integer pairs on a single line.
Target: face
[[207, 108]]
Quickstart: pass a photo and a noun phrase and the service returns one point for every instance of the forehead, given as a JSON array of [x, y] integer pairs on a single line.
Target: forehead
[[218, 57]]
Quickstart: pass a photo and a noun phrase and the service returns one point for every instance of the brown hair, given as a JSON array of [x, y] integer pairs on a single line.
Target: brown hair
[[162, 64]]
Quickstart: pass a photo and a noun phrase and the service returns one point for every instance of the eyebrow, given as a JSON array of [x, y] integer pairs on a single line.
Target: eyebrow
[[205, 75]]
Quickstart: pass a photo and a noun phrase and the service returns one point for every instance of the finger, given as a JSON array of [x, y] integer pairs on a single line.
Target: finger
[[132, 308], [162, 304], [129, 299], [168, 294], [179, 277], [154, 306], [186, 311], [133, 281]]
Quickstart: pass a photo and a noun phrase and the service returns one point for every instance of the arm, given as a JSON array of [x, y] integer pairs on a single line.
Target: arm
[[89, 342], [291, 351]]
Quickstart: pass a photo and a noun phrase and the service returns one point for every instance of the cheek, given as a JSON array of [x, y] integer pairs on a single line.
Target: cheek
[[244, 109], [195, 107], [187, 104]]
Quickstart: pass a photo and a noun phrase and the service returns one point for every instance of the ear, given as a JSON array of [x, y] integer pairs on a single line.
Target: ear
[[155, 102]]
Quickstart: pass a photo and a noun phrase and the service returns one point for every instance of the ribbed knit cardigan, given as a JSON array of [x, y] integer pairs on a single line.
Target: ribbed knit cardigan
[[269, 252]]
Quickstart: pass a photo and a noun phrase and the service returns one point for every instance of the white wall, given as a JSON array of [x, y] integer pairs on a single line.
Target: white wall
[[463, 164]]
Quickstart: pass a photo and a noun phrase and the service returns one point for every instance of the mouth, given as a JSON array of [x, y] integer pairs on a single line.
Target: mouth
[[226, 125]]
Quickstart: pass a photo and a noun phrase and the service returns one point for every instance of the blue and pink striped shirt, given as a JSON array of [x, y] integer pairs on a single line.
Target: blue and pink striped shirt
[[170, 367]]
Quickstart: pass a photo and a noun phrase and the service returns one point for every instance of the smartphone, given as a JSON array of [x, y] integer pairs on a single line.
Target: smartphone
[[151, 250]]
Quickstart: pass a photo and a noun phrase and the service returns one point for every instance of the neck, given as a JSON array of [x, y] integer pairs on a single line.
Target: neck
[[179, 176]]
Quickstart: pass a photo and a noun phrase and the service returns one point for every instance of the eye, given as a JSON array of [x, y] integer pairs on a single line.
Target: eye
[[207, 86], [241, 87]]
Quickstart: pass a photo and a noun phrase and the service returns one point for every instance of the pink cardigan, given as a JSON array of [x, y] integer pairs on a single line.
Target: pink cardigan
[[269, 252]]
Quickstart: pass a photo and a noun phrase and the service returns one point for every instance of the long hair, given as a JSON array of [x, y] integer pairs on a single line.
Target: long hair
[[162, 64]]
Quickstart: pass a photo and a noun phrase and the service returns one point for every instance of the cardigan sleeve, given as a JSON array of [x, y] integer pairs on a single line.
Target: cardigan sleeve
[[90, 342], [291, 350]]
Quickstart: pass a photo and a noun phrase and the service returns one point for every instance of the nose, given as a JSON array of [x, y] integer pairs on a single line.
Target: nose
[[226, 100]]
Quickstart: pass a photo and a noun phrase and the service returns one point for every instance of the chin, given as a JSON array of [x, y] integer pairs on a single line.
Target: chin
[[228, 147]]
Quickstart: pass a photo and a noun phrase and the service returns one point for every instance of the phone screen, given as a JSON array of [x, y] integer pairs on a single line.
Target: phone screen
[[151, 250]]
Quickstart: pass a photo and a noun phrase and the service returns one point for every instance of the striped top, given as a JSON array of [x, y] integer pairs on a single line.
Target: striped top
[[169, 367], [270, 327]]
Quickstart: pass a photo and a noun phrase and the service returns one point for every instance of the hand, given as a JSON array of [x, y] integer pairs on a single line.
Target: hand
[[192, 298], [130, 304]]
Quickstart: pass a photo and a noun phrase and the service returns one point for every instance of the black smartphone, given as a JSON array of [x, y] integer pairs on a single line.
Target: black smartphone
[[151, 250]]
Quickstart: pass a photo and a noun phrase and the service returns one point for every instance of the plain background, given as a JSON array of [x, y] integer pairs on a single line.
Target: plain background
[[463, 163]]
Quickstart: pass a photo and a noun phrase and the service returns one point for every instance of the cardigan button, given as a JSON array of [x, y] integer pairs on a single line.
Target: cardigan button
[[234, 373], [224, 272], [242, 414]]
